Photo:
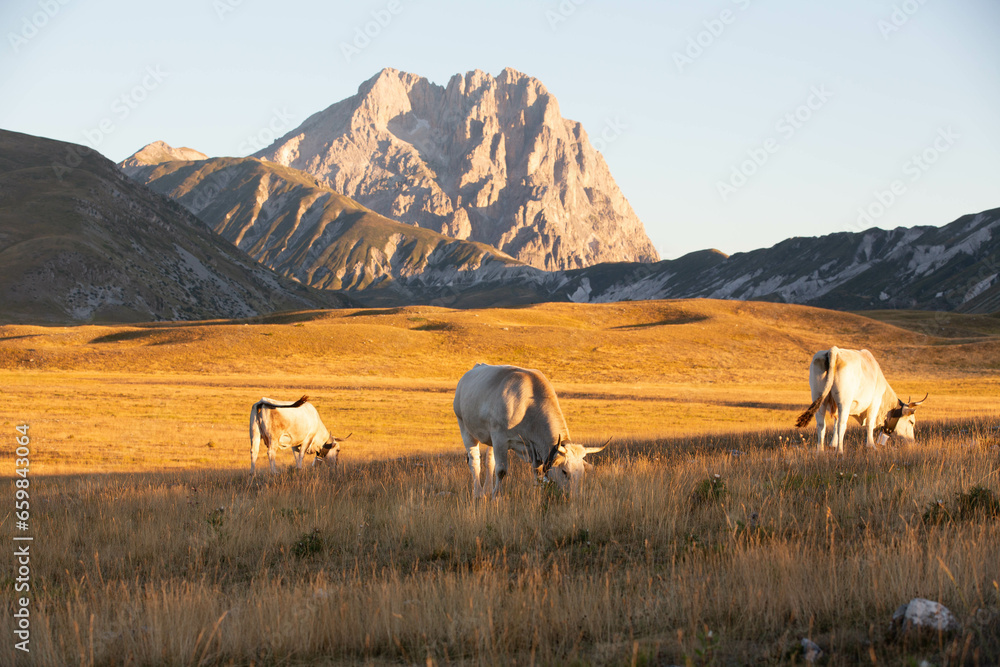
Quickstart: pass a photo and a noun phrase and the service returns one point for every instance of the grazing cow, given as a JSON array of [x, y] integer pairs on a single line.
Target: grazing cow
[[295, 424], [849, 383], [504, 408]]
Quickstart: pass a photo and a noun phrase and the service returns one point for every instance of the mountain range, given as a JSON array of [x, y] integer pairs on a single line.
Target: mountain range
[[493, 190], [954, 267]]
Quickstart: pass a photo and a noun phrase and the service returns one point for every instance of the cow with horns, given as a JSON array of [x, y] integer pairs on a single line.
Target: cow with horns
[[850, 383], [508, 408], [295, 424]]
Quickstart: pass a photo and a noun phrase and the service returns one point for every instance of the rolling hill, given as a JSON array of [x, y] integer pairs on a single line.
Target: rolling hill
[[81, 242]]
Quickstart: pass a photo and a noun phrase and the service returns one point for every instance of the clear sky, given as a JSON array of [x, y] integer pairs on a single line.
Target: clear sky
[[730, 124]]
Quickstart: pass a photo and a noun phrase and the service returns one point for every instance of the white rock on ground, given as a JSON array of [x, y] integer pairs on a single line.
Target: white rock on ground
[[923, 613]]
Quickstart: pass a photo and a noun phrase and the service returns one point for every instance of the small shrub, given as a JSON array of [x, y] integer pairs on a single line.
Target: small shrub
[[977, 502], [936, 513], [216, 517], [309, 544], [711, 489]]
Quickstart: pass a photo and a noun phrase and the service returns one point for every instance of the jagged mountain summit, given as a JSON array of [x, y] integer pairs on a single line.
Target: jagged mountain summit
[[292, 224], [80, 242], [488, 159]]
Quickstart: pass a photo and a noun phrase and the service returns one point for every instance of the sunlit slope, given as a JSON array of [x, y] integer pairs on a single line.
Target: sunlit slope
[[698, 341], [150, 397]]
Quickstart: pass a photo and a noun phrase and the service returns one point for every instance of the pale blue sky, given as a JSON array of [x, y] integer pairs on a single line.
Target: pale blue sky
[[215, 74]]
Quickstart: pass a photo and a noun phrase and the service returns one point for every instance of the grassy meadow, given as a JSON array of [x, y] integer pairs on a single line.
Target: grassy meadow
[[154, 546]]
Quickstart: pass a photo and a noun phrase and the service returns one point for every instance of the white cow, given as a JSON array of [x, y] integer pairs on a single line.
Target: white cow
[[509, 408], [849, 383], [295, 424]]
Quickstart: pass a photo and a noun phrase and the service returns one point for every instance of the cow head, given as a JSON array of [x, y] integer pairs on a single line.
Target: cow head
[[901, 419], [330, 451], [565, 465]]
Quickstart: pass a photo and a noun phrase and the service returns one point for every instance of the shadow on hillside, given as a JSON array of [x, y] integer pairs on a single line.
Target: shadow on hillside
[[374, 312], [679, 319]]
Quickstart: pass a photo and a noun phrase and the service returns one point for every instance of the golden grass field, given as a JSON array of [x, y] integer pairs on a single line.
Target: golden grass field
[[153, 546]]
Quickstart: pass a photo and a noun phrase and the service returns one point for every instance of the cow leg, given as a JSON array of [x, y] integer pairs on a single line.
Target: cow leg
[[271, 455], [254, 451], [820, 428], [472, 456], [870, 425], [491, 465], [299, 455], [842, 419], [500, 463]]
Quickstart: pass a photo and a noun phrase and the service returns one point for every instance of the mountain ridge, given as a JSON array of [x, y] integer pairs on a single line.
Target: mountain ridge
[[291, 223]]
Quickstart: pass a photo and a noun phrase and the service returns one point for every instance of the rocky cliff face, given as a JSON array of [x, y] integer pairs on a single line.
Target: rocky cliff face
[[485, 158]]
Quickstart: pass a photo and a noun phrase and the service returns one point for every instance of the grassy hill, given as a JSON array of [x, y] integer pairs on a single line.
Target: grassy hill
[[80, 242]]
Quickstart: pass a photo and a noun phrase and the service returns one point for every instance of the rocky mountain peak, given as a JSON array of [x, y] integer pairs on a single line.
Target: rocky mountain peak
[[159, 152], [488, 159]]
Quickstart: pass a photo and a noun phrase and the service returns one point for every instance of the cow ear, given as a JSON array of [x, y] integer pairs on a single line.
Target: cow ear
[[587, 465], [901, 404]]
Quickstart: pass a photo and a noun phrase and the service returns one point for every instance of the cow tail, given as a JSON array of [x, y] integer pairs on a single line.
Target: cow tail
[[255, 427], [831, 364], [299, 403]]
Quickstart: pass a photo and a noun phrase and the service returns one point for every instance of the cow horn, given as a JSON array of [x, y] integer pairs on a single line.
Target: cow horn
[[920, 401], [342, 439], [551, 458], [594, 450]]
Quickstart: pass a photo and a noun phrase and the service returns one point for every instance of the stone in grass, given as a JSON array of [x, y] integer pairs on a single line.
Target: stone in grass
[[811, 650], [923, 614]]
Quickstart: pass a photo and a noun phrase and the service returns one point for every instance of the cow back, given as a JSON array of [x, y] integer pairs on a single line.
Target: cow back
[[508, 398]]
